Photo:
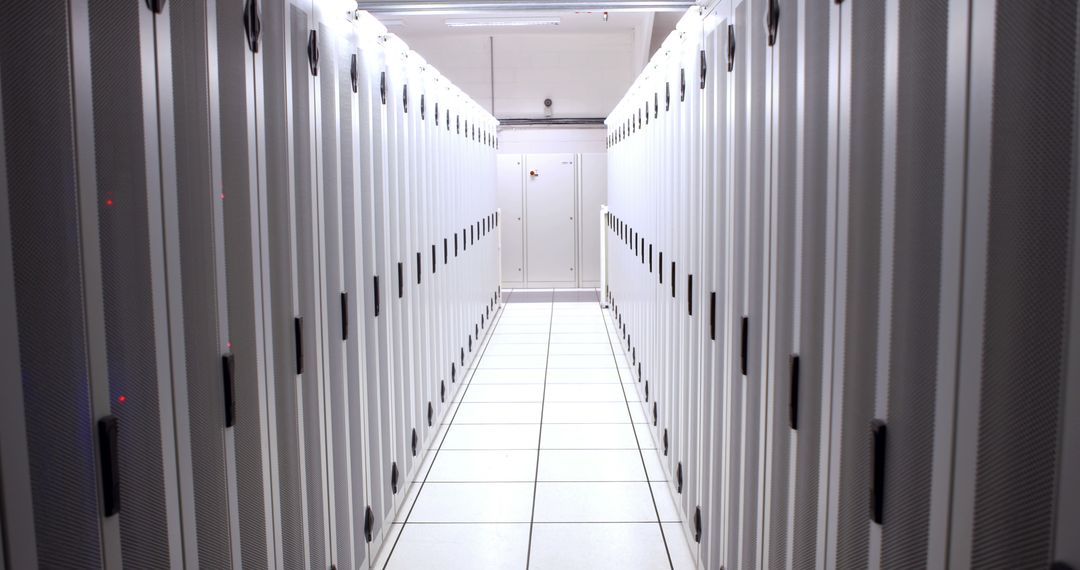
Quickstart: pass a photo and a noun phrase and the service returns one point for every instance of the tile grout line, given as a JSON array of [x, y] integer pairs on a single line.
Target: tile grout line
[[540, 434], [467, 384], [652, 495]]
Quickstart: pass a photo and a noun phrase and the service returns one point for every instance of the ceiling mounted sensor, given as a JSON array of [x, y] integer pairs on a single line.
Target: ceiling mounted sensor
[[500, 22]]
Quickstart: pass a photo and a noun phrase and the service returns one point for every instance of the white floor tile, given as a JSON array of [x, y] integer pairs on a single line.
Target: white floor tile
[[461, 547], [587, 436], [633, 546], [516, 349], [386, 544], [498, 413], [585, 413], [593, 502], [509, 338], [529, 327], [595, 348], [537, 361], [653, 466], [590, 465], [584, 393], [679, 546], [504, 393], [508, 376], [665, 503], [578, 338], [644, 436], [473, 502], [483, 465], [582, 375], [492, 436]]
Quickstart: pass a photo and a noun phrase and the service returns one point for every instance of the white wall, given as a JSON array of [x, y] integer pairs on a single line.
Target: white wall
[[584, 74], [536, 140]]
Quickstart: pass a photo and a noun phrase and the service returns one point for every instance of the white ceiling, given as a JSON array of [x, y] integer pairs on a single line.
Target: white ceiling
[[425, 25]]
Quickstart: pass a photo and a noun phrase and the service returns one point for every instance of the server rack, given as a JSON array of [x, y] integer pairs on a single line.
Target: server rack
[[869, 234], [207, 377]]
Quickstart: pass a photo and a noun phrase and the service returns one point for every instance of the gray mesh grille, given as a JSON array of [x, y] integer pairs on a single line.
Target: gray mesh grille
[[815, 132], [329, 84], [1026, 280], [275, 60], [43, 201], [920, 156], [125, 272], [864, 223], [196, 197], [787, 123], [241, 284], [306, 270], [350, 236], [735, 498]]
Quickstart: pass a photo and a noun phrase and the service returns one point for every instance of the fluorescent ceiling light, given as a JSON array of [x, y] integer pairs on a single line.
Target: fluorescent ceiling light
[[485, 22], [392, 22]]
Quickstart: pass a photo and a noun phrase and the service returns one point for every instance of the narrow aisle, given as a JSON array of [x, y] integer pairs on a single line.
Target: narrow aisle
[[544, 461]]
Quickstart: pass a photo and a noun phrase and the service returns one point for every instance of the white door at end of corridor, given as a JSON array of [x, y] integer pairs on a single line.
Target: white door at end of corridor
[[592, 193], [550, 234], [510, 183]]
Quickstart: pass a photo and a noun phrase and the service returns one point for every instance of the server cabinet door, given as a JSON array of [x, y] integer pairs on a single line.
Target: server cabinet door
[[245, 200], [135, 196], [511, 196], [306, 45], [50, 223], [194, 261], [592, 193], [287, 360], [1013, 361]]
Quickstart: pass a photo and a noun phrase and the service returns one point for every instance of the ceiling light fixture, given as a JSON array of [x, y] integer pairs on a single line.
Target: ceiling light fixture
[[493, 22]]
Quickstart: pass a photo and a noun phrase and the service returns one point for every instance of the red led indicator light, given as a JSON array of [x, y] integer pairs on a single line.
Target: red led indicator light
[[122, 399], [228, 343]]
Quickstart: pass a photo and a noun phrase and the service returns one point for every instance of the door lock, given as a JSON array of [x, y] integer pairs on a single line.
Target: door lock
[[534, 173]]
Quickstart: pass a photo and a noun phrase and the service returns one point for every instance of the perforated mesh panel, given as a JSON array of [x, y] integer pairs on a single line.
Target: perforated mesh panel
[[196, 198], [920, 157], [125, 274], [815, 133], [1026, 279], [241, 283], [303, 114], [786, 120], [739, 203], [43, 201], [863, 243], [275, 59], [339, 456]]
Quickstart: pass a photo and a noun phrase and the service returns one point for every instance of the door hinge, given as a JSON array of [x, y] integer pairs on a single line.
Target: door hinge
[[730, 47], [369, 524], [704, 69], [772, 20], [253, 24], [313, 51], [354, 74]]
